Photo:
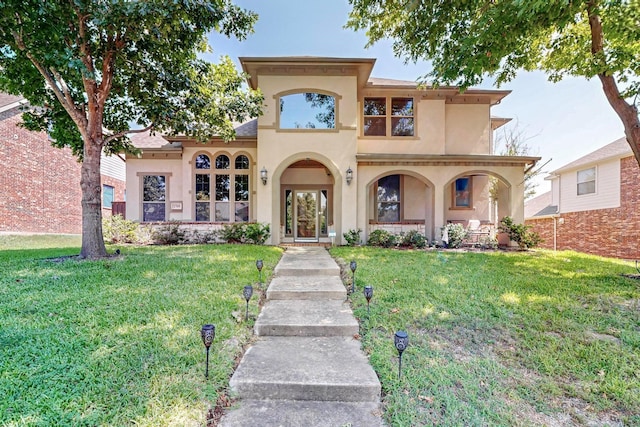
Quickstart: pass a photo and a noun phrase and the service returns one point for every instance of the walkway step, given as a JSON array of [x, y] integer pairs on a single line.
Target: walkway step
[[310, 261], [306, 319], [302, 368], [306, 287], [295, 413]]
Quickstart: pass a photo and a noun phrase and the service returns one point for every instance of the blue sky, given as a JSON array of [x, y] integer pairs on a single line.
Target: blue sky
[[564, 120]]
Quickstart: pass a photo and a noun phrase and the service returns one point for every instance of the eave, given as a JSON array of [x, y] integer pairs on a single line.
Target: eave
[[375, 159]]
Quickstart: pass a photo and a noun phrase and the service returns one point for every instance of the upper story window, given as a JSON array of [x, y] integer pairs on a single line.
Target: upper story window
[[388, 116], [587, 181], [307, 110]]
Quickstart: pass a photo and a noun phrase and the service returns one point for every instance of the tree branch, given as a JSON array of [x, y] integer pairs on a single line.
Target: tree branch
[[126, 132]]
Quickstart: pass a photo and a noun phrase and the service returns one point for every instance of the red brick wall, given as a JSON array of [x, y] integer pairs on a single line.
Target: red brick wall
[[606, 232], [39, 184], [118, 192]]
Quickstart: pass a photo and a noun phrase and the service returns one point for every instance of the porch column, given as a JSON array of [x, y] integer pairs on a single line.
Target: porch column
[[438, 210]]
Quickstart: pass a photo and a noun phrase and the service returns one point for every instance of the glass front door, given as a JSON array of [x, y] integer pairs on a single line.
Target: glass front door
[[306, 216]]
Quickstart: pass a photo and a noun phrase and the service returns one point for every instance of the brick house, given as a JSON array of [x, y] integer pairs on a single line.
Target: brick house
[[40, 184], [593, 205]]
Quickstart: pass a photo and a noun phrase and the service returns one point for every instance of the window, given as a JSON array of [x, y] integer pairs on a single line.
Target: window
[[153, 198], [107, 196], [462, 191], [307, 110], [378, 121], [388, 198], [587, 181], [225, 201]]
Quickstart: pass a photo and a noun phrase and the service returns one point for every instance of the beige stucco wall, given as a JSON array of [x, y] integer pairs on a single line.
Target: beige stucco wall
[[335, 149], [468, 129], [429, 129], [182, 180]]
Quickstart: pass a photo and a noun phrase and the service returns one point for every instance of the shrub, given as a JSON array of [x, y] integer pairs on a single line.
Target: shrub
[[170, 234], [456, 233], [252, 233], [412, 239], [256, 233], [381, 238], [116, 229], [352, 237], [520, 233]]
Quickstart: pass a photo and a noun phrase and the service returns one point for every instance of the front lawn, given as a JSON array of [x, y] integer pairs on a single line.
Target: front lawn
[[502, 338], [117, 342]]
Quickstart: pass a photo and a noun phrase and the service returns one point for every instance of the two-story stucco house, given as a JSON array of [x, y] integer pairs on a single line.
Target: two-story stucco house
[[335, 150], [593, 204]]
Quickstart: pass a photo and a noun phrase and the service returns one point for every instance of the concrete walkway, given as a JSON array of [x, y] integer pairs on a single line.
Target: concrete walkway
[[306, 368]]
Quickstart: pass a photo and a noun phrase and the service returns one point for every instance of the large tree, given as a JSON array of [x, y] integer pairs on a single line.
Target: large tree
[[92, 68], [466, 40]]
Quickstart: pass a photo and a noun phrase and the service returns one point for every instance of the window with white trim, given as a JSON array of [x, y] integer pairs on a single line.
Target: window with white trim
[[586, 181], [107, 196]]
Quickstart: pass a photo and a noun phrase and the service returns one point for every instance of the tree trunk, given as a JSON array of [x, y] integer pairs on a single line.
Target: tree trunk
[[628, 113], [92, 241]]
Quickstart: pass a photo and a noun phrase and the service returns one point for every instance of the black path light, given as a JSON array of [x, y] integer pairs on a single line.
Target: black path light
[[353, 265], [259, 265], [247, 292], [401, 341], [208, 333], [368, 294]]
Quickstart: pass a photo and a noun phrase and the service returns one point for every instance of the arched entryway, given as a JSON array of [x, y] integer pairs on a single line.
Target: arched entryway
[[306, 202]]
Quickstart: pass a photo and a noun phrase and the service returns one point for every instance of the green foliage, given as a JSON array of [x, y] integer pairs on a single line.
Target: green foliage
[[467, 39], [501, 338], [381, 238], [412, 239], [352, 237], [170, 234], [241, 232], [116, 342], [457, 234], [256, 233], [87, 66], [464, 41], [520, 233], [116, 229]]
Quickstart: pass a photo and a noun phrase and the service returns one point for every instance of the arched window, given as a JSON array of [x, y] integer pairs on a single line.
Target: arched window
[[226, 205], [307, 110]]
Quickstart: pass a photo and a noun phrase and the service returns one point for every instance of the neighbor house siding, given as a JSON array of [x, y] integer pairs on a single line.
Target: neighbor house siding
[[607, 193], [612, 232], [113, 166]]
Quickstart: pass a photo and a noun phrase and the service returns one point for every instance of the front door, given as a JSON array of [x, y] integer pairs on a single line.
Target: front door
[[305, 216]]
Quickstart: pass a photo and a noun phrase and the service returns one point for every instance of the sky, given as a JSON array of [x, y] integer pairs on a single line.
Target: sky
[[562, 121]]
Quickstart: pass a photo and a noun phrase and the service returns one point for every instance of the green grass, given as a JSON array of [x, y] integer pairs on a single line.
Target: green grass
[[502, 338], [117, 341]]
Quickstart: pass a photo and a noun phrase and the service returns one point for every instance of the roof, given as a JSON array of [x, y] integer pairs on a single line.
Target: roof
[[617, 149], [540, 206], [247, 129], [148, 140], [376, 81], [8, 102]]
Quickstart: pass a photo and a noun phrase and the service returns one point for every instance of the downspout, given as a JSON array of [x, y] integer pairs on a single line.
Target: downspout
[[555, 231]]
